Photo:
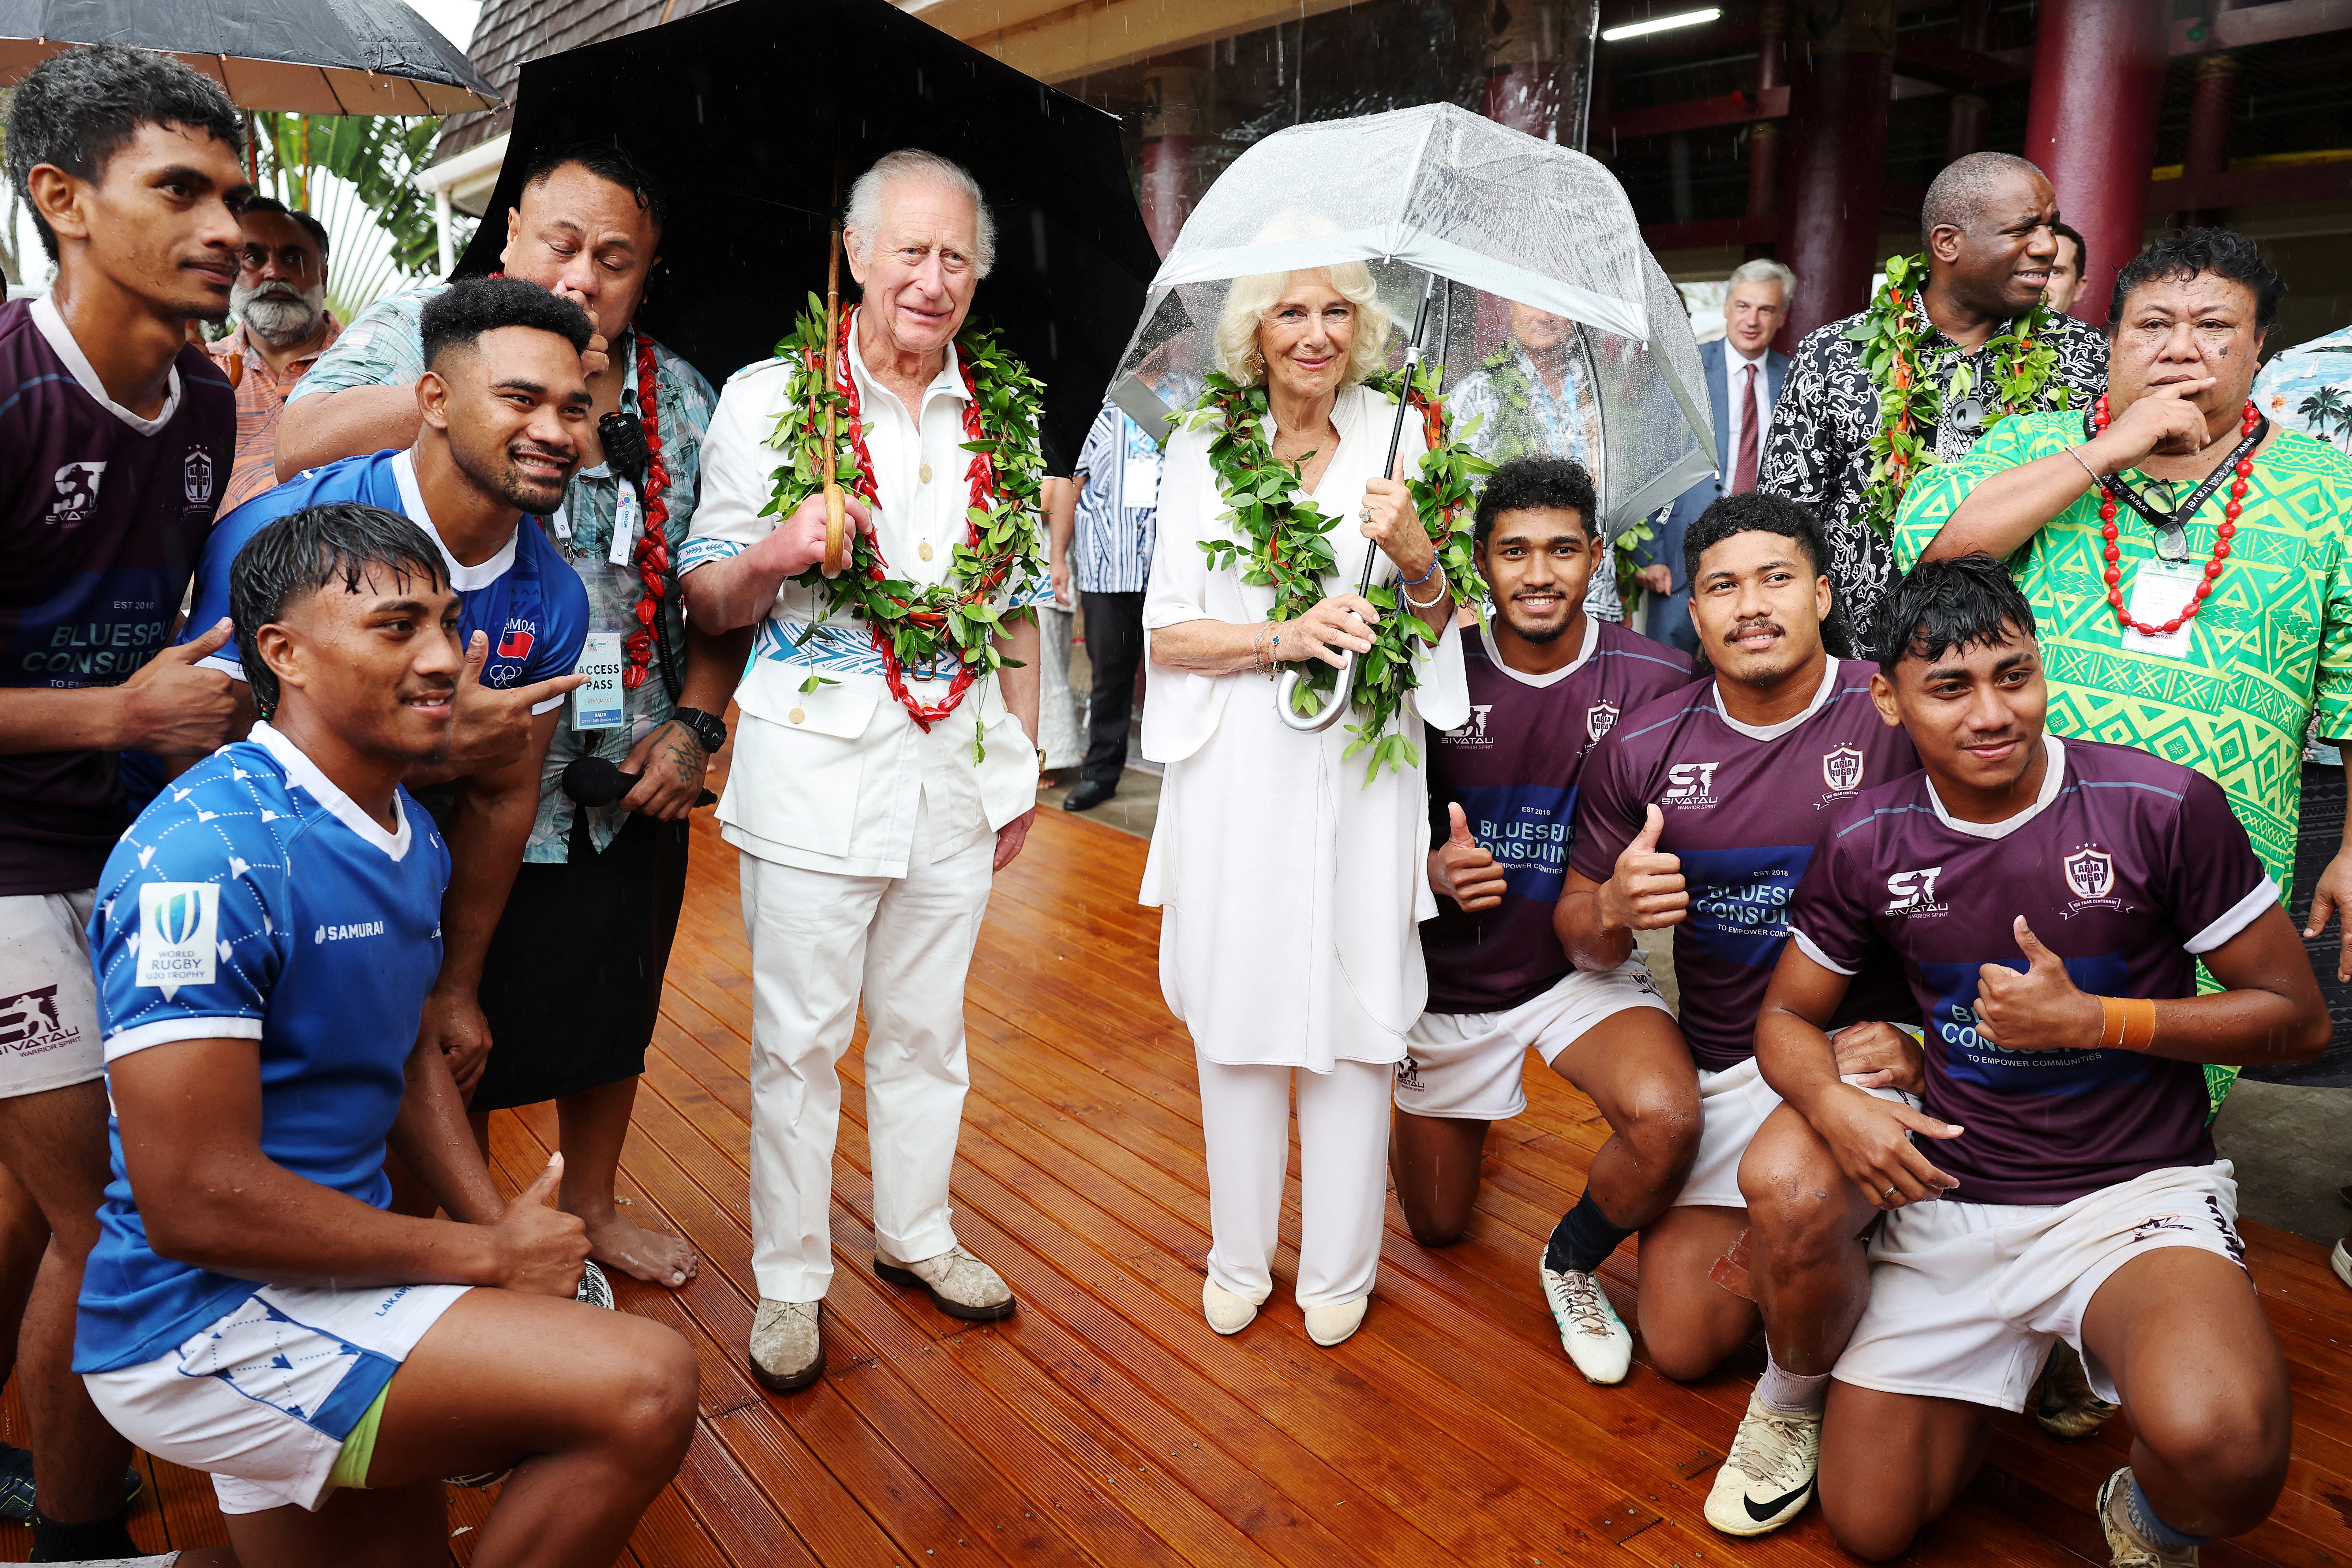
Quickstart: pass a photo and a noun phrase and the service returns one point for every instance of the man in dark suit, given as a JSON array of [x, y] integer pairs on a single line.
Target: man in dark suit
[[1743, 382]]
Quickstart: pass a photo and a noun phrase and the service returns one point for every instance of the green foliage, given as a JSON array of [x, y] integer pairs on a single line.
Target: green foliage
[[1279, 539], [1910, 396], [378, 154]]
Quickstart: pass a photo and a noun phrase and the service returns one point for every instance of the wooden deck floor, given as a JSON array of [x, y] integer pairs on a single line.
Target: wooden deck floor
[[1105, 1425]]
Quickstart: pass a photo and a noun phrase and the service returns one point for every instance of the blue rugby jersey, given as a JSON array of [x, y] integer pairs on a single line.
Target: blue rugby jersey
[[203, 929], [526, 596]]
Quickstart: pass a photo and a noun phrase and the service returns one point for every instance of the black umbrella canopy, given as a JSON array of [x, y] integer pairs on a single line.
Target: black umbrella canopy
[[742, 111], [306, 57]]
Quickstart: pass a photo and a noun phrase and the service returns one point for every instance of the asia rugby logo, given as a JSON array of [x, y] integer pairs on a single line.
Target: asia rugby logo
[[1841, 769], [2091, 872]]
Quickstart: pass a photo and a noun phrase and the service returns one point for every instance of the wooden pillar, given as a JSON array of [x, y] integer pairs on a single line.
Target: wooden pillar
[[1176, 131], [2211, 103], [1523, 74], [2090, 123], [1965, 132], [1764, 135], [1841, 75]]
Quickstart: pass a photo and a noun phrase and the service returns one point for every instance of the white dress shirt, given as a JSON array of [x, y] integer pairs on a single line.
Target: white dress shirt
[[831, 778], [1742, 409]]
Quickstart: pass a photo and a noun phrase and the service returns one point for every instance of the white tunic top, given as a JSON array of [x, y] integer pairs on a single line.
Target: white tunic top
[[1292, 888]]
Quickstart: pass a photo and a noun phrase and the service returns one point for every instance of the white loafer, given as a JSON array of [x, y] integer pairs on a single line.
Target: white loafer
[[1227, 1313], [1327, 1326]]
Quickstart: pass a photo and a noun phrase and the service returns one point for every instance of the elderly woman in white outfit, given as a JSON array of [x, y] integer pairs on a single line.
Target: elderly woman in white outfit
[[1291, 887]]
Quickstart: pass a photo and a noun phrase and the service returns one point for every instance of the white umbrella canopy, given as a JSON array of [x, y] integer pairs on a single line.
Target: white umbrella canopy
[[306, 56], [1501, 217]]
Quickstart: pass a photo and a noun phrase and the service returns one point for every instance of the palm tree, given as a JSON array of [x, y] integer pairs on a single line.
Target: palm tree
[[373, 160], [2325, 408]]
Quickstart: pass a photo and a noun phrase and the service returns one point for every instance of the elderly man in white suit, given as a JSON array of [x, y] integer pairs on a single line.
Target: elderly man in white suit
[[868, 839]]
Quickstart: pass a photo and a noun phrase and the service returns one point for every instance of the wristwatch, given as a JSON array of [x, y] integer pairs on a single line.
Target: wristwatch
[[709, 730]]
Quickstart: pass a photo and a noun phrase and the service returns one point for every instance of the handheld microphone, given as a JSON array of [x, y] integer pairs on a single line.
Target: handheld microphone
[[594, 780]]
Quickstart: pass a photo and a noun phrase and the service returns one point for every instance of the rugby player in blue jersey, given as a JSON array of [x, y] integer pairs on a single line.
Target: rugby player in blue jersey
[[253, 1308]]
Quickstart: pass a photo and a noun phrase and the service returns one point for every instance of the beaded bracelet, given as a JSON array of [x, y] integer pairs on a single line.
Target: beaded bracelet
[[1424, 577]]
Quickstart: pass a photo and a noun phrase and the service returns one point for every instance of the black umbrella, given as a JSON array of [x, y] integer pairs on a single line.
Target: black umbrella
[[315, 56], [744, 112]]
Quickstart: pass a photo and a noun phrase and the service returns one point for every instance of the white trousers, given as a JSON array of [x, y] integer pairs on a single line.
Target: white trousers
[[1343, 1145], [818, 938]]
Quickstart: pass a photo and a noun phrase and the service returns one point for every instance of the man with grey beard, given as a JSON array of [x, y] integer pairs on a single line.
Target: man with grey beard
[[279, 301]]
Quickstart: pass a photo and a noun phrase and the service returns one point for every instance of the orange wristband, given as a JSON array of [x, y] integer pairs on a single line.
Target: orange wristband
[[2127, 1023]]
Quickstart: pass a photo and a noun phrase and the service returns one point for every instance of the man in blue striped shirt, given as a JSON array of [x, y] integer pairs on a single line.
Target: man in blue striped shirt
[[1118, 477]]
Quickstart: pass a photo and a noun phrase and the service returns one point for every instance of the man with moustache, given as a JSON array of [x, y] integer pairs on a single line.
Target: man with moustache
[[1700, 813], [283, 326], [2048, 902], [115, 436], [1986, 222], [1547, 682], [573, 982], [502, 407], [1744, 373]]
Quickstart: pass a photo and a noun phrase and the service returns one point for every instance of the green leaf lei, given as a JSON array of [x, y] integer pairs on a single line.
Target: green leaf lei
[[1281, 540], [960, 615], [1909, 397]]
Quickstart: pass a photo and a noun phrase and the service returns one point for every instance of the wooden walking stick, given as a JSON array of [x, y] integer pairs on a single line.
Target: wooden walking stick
[[836, 530]]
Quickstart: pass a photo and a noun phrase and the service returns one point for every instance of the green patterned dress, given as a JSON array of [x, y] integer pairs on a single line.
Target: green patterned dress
[[2273, 642]]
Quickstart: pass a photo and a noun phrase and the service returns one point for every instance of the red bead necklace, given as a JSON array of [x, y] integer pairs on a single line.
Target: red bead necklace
[[2222, 536], [651, 552]]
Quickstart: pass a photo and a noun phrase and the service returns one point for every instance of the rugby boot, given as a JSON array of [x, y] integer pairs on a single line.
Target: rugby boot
[[2062, 1400], [1591, 1333], [1227, 1313], [959, 1284], [1768, 1477], [786, 1351], [2126, 1548], [1331, 1324]]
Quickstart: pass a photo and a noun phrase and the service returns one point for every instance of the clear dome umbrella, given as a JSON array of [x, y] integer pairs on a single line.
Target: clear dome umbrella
[[1550, 317]]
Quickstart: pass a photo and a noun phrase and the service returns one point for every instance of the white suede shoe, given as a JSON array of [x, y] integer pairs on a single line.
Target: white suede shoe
[[959, 1284], [1227, 1313], [1328, 1325], [786, 1353]]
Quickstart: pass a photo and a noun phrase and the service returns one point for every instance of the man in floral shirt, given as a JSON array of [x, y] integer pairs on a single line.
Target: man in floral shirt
[[571, 982], [1986, 222]]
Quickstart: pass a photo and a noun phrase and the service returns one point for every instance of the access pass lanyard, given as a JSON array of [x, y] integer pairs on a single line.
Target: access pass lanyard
[[2171, 527]]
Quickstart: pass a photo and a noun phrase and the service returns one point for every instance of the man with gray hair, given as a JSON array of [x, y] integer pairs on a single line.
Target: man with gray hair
[[884, 765], [1744, 373], [279, 300], [1948, 328]]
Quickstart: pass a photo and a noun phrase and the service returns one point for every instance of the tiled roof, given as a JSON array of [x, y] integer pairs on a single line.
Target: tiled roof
[[514, 31]]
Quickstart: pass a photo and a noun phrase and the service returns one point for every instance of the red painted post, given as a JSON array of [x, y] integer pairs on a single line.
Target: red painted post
[[2090, 123], [2210, 106], [1175, 135], [1842, 72]]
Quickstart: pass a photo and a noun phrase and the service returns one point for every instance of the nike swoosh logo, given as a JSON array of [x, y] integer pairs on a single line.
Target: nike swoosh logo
[[1760, 1513]]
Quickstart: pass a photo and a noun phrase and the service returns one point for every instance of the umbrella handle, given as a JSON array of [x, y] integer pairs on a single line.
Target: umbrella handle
[[1343, 689]]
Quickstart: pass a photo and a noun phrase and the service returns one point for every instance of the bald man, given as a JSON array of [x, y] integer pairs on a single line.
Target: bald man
[[1988, 224]]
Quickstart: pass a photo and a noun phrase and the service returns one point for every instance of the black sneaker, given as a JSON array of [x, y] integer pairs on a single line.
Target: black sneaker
[[16, 1484], [1089, 795]]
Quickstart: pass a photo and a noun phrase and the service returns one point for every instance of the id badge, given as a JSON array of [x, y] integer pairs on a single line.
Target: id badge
[[2159, 593], [627, 516], [597, 705], [1139, 482], [561, 520]]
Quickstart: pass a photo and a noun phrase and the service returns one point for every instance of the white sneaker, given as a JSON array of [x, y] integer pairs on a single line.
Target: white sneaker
[[2125, 1547], [1331, 1324], [1227, 1313], [1768, 1477], [1595, 1338]]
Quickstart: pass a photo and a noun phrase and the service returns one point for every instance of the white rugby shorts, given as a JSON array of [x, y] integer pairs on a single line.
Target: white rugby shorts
[[1733, 1104], [48, 997], [1471, 1066], [263, 1398], [1967, 1299]]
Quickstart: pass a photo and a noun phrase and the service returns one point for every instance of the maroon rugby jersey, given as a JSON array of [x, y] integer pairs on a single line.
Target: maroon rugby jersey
[[102, 516], [1744, 808], [1513, 770], [2128, 868]]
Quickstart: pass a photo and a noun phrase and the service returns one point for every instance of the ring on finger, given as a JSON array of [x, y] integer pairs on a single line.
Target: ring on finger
[[1891, 1191]]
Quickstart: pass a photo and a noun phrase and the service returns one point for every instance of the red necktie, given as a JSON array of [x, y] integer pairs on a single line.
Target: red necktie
[[1743, 467]]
